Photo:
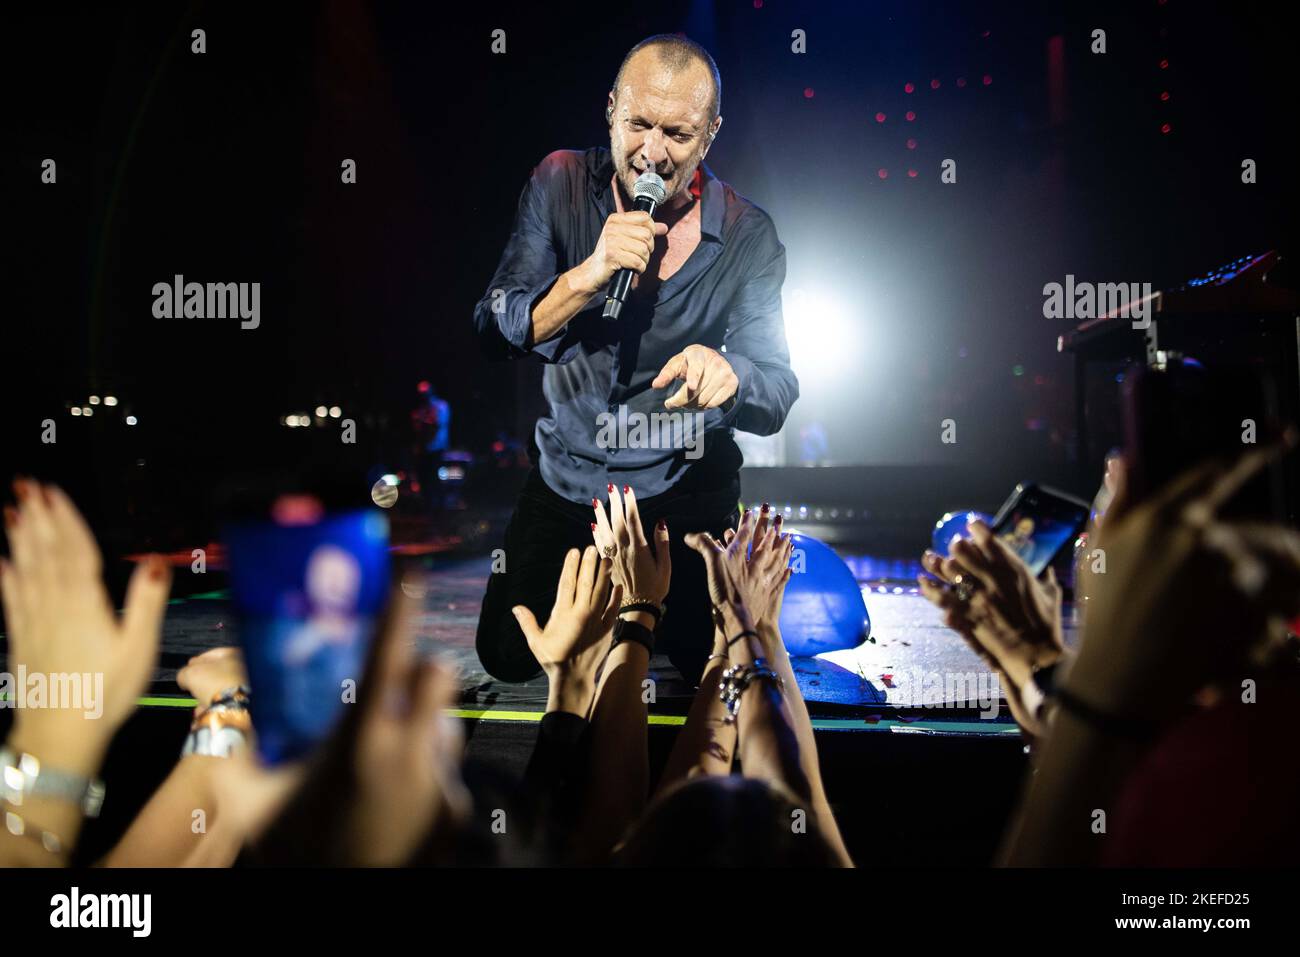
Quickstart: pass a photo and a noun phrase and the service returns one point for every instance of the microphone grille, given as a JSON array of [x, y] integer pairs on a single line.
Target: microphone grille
[[650, 185]]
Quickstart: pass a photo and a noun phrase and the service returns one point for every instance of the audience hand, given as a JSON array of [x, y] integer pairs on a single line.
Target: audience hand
[[60, 621], [408, 752], [575, 639], [1186, 596], [642, 568], [1011, 620], [769, 565], [737, 583], [208, 674]]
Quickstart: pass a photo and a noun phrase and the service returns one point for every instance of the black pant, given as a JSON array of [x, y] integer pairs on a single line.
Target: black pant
[[545, 526]]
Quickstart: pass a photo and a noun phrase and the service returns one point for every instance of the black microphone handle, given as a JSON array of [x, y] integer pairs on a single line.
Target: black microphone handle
[[621, 284]]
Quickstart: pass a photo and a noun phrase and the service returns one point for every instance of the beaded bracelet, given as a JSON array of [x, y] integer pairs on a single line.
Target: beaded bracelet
[[736, 679]]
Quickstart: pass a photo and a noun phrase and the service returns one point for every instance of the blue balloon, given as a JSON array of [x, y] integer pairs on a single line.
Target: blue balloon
[[823, 608], [954, 525]]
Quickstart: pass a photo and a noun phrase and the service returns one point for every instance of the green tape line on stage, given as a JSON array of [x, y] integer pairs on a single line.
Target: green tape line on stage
[[675, 720]]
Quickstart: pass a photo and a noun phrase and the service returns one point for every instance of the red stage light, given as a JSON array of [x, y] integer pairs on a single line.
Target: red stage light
[[908, 88], [934, 84], [880, 117], [1164, 97], [961, 81], [910, 116], [912, 173], [807, 92], [911, 144], [988, 80], [882, 173], [1164, 64]]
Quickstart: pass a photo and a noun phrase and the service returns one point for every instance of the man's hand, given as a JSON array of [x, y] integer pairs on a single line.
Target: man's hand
[[710, 380], [627, 241]]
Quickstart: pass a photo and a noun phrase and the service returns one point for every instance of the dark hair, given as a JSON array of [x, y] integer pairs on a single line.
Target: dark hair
[[677, 52], [731, 821]]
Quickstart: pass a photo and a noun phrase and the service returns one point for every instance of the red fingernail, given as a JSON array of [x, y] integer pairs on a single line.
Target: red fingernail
[[766, 506], [662, 524], [157, 567], [593, 526], [611, 486], [595, 503], [626, 489]]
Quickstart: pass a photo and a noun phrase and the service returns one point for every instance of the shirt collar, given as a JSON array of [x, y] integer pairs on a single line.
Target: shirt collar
[[600, 169]]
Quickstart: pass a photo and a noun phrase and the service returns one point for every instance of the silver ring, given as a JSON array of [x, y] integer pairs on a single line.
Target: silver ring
[[610, 551]]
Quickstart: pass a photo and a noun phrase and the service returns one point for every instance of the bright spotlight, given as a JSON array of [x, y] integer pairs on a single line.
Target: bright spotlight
[[335, 412], [826, 337], [130, 420], [321, 411], [94, 400], [87, 410], [76, 410], [110, 400]]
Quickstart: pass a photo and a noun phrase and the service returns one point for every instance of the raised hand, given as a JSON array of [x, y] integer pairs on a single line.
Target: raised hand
[[581, 619], [735, 578], [1187, 597], [643, 569], [1010, 618], [769, 565], [60, 621], [408, 751]]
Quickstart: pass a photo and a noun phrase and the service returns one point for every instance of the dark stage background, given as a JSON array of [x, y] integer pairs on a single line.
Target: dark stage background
[[908, 300]]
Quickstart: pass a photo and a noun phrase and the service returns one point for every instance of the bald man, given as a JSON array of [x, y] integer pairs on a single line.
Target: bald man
[[651, 400]]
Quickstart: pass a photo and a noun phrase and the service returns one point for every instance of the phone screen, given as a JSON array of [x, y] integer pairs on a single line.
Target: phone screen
[[1036, 523], [308, 594]]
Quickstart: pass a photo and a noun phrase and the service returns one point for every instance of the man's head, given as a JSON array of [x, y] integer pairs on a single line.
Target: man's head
[[663, 111]]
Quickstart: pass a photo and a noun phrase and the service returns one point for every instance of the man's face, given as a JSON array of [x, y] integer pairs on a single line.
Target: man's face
[[660, 122]]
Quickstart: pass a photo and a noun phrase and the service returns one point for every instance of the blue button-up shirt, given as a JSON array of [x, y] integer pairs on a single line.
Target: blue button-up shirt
[[606, 424]]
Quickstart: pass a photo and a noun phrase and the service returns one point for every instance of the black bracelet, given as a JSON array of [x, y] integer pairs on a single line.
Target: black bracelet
[[625, 630], [648, 607], [747, 631], [1138, 729]]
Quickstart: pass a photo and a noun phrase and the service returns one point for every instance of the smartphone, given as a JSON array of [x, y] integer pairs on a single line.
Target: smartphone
[[1184, 414], [1037, 522], [309, 587]]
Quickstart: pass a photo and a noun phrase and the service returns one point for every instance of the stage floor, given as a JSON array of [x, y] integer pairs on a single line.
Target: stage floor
[[912, 675]]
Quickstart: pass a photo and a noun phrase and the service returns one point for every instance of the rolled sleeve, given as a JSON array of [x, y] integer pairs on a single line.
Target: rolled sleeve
[[755, 341], [529, 267]]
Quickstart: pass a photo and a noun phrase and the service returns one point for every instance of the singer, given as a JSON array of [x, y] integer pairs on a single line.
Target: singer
[[700, 334]]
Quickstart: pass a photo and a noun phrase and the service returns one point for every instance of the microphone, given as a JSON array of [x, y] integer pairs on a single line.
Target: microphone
[[647, 194]]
